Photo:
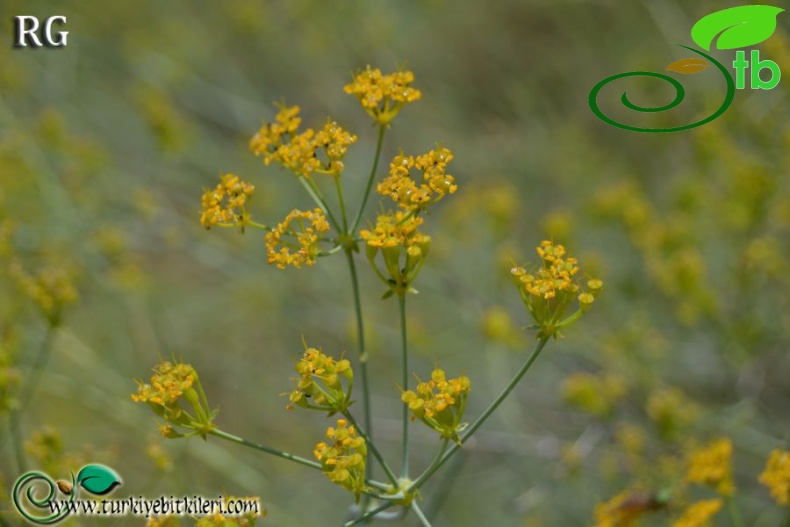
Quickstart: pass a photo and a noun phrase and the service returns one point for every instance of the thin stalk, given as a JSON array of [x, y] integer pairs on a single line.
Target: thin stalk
[[311, 188], [404, 470], [342, 202], [371, 178], [26, 394], [735, 514], [421, 515], [263, 448], [371, 513], [363, 356], [486, 414], [432, 467], [372, 448]]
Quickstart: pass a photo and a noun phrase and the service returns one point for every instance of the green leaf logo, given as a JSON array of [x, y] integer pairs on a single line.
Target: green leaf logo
[[98, 479], [738, 26]]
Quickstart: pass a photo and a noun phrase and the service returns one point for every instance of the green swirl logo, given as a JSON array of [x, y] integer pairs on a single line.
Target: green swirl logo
[[35, 492], [735, 28]]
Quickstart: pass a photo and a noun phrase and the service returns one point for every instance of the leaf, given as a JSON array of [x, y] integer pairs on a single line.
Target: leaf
[[688, 66], [738, 27], [98, 479]]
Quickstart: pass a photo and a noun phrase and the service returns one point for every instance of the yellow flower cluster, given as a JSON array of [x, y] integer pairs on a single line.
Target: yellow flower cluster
[[170, 383], [433, 186], [439, 403], [304, 153], [52, 288], [671, 411], [343, 461], [548, 291], [776, 476], [699, 514], [594, 394], [711, 466], [226, 205], [319, 386], [383, 96], [403, 247], [306, 234], [625, 509]]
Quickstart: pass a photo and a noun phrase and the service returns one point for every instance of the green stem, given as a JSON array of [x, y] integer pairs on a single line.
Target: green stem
[[342, 202], [421, 515], [404, 470], [372, 448], [432, 467], [311, 188], [363, 356], [263, 448], [368, 514], [26, 394], [735, 514], [371, 178], [486, 414]]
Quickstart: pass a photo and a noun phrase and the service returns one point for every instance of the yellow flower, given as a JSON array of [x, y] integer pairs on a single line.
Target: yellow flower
[[343, 460], [383, 96], [305, 235], [403, 247], [226, 205], [51, 288], [625, 509], [170, 384], [434, 184], [271, 135], [776, 476], [319, 386], [303, 153], [549, 290], [671, 411], [439, 403], [594, 394], [711, 466], [699, 514]]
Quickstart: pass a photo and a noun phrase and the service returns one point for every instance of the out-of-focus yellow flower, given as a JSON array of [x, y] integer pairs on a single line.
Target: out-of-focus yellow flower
[[699, 514], [343, 460], [594, 394], [300, 232], [625, 509], [776, 476], [226, 205], [439, 403], [51, 288], [671, 411], [711, 466], [432, 186], [383, 96]]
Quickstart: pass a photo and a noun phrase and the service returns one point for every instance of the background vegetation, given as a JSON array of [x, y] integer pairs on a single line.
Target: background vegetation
[[106, 145]]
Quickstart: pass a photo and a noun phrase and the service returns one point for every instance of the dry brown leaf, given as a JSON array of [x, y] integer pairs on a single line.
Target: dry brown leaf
[[688, 66]]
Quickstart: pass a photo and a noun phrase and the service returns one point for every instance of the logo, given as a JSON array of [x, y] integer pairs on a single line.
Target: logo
[[737, 27], [95, 479]]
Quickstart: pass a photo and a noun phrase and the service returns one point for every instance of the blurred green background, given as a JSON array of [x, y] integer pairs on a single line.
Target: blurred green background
[[107, 144]]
